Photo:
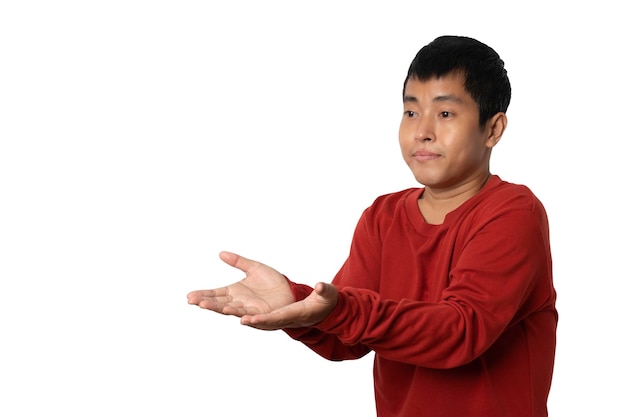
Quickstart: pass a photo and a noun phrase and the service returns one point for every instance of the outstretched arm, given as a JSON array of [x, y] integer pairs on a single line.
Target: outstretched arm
[[263, 299]]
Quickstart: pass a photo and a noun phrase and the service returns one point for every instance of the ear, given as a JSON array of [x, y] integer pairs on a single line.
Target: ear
[[495, 128]]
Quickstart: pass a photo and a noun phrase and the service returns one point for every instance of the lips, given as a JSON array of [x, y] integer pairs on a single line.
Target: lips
[[423, 156]]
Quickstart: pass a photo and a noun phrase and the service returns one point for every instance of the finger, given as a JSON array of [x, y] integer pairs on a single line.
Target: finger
[[322, 289], [290, 316], [209, 300], [326, 293], [216, 292], [238, 310], [269, 321], [195, 297], [238, 261], [226, 306]]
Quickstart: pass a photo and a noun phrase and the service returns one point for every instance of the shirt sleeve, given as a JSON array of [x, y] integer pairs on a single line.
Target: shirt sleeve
[[498, 280], [327, 345], [362, 269]]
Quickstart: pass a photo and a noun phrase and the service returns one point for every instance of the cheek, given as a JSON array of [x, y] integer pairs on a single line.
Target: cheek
[[472, 152], [401, 129], [404, 135], [406, 146]]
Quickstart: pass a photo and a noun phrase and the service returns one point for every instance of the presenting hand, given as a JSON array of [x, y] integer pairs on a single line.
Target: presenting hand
[[263, 299], [261, 291], [305, 313]]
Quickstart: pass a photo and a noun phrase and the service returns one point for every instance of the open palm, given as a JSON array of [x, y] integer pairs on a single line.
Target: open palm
[[262, 290]]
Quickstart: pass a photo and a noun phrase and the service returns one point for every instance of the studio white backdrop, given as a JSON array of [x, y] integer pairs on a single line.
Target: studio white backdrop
[[138, 139]]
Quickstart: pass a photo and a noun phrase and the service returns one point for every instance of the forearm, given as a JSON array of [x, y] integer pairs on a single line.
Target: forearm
[[498, 275], [326, 345], [438, 335], [464, 323]]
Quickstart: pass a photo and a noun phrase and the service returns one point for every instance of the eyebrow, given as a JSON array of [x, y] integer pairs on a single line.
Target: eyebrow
[[438, 99]]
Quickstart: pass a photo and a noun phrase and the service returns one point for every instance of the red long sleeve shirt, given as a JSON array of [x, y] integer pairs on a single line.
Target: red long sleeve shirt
[[461, 315]]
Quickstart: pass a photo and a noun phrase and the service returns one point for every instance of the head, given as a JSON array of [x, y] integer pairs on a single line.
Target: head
[[455, 97], [485, 77]]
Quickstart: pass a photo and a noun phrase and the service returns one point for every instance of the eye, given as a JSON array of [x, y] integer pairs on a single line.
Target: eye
[[445, 114], [409, 113]]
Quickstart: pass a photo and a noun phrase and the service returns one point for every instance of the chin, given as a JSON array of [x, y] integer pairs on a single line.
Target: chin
[[426, 180]]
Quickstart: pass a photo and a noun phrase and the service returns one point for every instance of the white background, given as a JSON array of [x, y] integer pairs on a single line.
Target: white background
[[140, 138]]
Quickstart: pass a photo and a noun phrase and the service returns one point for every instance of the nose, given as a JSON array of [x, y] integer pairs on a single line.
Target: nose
[[424, 130]]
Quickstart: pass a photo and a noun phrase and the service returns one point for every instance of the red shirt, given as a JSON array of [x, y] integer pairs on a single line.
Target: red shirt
[[461, 315]]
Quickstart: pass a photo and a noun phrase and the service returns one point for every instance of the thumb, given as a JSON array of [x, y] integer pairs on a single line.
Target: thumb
[[238, 261], [327, 292]]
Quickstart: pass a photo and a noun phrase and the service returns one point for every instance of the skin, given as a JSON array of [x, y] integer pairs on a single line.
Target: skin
[[444, 145], [263, 299], [447, 151]]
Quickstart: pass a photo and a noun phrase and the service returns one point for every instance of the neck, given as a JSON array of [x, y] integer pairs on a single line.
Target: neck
[[436, 203]]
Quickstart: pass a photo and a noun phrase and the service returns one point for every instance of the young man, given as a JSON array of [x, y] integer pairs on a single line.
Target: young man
[[450, 284]]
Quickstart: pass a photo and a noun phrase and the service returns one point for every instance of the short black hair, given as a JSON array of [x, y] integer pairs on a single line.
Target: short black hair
[[486, 79]]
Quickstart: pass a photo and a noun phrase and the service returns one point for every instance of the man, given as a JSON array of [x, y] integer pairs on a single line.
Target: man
[[449, 284]]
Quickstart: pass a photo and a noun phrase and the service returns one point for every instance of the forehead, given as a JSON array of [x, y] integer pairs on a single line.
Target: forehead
[[447, 85]]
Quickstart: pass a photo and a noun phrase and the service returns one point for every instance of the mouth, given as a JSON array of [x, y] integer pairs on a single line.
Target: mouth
[[423, 156]]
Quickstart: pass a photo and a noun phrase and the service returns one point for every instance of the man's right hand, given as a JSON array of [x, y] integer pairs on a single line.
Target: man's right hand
[[262, 291]]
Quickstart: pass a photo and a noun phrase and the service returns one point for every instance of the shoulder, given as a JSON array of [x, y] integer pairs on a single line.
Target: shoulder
[[391, 202], [386, 209], [501, 195], [500, 199]]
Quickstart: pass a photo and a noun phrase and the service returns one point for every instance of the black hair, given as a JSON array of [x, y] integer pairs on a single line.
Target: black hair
[[486, 79]]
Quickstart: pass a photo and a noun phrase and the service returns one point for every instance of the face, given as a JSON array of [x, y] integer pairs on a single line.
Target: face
[[440, 137]]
